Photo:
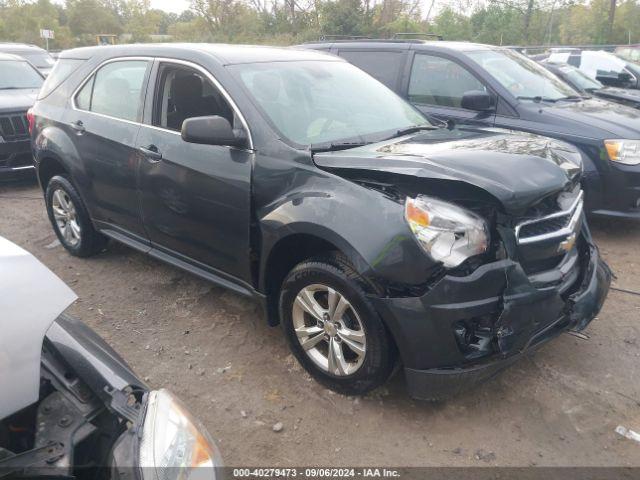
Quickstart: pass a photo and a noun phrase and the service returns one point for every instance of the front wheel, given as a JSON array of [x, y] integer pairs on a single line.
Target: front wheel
[[332, 328]]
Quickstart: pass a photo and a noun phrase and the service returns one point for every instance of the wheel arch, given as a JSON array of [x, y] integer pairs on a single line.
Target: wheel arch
[[300, 243], [54, 153], [48, 167]]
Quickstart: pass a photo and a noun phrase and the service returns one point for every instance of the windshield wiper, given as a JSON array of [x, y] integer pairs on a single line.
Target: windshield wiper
[[538, 99], [571, 98], [414, 129], [13, 88], [334, 146]]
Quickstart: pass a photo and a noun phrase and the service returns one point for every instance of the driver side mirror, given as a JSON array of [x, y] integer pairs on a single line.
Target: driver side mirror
[[213, 130], [477, 100]]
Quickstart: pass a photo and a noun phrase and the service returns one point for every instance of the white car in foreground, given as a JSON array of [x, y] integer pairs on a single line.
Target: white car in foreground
[[69, 404]]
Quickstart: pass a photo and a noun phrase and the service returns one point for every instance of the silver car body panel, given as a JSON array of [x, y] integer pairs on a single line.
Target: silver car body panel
[[31, 298]]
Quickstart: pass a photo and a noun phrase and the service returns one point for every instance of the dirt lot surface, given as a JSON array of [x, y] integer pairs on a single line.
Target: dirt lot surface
[[559, 406]]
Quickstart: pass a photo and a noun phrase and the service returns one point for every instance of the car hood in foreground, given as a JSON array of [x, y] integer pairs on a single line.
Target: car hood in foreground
[[31, 298], [17, 100], [613, 120], [519, 170]]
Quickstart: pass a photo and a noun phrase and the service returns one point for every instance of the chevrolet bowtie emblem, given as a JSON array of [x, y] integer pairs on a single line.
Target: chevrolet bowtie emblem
[[567, 244]]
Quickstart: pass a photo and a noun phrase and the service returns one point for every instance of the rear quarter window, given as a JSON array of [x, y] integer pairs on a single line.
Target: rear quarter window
[[383, 66], [61, 71]]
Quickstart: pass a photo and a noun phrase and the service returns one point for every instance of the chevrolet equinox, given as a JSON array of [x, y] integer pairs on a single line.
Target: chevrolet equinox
[[295, 178]]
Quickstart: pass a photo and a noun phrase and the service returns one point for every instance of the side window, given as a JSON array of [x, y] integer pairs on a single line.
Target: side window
[[183, 93], [115, 90], [439, 81], [383, 66], [83, 99]]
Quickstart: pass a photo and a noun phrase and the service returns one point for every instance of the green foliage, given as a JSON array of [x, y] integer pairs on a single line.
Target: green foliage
[[286, 22]]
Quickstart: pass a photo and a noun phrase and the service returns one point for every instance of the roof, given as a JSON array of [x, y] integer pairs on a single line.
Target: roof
[[409, 43], [19, 47], [226, 54], [8, 56]]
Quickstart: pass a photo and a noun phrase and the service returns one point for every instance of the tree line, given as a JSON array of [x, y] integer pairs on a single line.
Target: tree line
[[286, 22]]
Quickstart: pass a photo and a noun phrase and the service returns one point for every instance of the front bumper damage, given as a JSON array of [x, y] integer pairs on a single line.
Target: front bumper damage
[[523, 312]]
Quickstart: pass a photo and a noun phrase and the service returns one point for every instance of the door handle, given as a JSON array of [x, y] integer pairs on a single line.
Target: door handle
[[78, 126], [151, 153]]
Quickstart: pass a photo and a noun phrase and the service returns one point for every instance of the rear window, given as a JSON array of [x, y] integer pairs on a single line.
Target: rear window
[[383, 66], [61, 70]]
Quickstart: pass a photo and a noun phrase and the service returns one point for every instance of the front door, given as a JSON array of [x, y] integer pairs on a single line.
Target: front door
[[195, 199], [104, 124], [437, 85]]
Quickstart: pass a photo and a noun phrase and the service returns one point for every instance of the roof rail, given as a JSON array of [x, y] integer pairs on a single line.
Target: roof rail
[[406, 35], [343, 37]]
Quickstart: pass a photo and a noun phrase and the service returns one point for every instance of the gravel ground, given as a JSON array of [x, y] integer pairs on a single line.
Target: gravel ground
[[557, 407]]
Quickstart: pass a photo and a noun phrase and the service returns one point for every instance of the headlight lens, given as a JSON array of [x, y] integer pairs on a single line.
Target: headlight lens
[[623, 151], [174, 445], [450, 234]]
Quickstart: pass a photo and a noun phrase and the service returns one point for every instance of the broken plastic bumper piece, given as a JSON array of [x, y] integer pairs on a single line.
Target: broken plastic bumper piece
[[466, 329]]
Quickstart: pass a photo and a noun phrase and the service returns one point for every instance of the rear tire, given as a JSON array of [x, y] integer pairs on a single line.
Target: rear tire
[[70, 219], [333, 329]]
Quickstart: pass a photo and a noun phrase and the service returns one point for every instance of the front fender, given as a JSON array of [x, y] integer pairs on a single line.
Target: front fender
[[367, 226]]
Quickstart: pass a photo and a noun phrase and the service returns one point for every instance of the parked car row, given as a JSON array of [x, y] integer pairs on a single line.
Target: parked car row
[[293, 177], [386, 202], [587, 86], [498, 87], [36, 56]]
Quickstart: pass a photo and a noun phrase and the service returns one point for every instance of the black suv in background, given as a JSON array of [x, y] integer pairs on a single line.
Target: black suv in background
[[498, 87], [19, 85], [295, 178]]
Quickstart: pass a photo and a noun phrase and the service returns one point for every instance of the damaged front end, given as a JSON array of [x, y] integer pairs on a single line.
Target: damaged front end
[[546, 277], [539, 273]]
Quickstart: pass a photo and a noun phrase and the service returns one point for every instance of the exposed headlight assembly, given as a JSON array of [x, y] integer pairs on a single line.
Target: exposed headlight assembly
[[174, 445], [623, 151], [450, 234]]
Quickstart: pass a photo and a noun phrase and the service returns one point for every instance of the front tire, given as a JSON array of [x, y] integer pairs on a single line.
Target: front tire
[[70, 219], [332, 328]]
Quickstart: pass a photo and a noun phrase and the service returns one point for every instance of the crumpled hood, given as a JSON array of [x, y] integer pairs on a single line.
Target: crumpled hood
[[17, 100], [31, 298], [517, 169], [619, 120]]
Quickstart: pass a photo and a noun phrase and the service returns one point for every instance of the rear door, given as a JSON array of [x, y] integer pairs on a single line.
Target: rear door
[[195, 199], [104, 122], [436, 87]]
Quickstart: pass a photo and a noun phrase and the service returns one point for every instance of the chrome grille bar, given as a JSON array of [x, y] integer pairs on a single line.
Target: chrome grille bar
[[572, 215]]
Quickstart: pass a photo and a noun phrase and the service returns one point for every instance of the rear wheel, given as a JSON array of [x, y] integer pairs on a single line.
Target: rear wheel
[[70, 219], [332, 328]]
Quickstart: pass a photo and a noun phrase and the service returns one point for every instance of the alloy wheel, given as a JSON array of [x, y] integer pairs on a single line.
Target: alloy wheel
[[65, 215], [329, 330]]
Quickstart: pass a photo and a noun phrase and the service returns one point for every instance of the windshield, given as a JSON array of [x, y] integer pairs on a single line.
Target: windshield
[[39, 59], [16, 74], [524, 78], [579, 78], [318, 102]]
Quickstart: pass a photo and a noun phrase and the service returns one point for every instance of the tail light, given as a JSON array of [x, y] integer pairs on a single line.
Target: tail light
[[31, 119]]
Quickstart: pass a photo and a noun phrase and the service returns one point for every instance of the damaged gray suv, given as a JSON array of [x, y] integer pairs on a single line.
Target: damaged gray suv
[[296, 179]]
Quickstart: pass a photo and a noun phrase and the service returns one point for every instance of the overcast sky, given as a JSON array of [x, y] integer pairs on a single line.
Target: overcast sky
[[175, 6]]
